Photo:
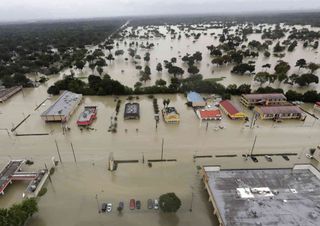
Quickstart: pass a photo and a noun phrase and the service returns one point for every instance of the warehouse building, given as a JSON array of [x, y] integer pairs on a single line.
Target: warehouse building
[[62, 108], [258, 197]]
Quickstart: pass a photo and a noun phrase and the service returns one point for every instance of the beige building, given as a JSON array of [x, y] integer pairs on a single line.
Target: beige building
[[250, 100], [280, 112]]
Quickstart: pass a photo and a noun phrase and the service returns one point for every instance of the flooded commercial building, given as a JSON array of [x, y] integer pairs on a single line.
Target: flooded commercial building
[[132, 111], [62, 108], [264, 196], [250, 100], [209, 114], [87, 116], [170, 115], [195, 99], [7, 93], [231, 110], [280, 112]]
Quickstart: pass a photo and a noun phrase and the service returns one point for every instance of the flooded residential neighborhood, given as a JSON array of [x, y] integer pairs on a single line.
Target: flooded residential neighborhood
[[161, 121]]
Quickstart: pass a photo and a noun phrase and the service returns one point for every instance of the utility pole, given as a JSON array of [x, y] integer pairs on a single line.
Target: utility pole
[[254, 143], [58, 151], [162, 149], [74, 156], [191, 199]]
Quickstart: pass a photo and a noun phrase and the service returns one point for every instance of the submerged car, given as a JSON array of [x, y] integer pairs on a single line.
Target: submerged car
[[109, 207], [138, 204], [104, 207], [150, 204], [121, 205], [156, 204], [132, 204]]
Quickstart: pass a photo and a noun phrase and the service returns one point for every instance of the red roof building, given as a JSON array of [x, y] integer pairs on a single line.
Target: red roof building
[[209, 114], [232, 111], [317, 106]]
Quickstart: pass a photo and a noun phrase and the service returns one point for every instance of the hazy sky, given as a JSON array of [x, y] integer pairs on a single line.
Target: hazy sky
[[13, 10]]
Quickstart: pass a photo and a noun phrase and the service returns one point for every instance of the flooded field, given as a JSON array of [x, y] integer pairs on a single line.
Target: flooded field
[[77, 189]]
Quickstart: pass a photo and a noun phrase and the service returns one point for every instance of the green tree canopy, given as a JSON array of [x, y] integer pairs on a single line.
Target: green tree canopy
[[169, 202]]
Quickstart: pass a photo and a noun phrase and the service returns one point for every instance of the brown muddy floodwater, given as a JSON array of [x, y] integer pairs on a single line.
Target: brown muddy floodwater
[[76, 190]]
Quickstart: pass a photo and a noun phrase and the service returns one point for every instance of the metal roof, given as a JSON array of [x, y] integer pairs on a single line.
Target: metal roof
[[229, 107], [64, 104], [194, 97]]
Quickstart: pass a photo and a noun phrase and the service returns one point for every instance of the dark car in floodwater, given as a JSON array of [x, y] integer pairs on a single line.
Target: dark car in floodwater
[[150, 204], [138, 204], [104, 207]]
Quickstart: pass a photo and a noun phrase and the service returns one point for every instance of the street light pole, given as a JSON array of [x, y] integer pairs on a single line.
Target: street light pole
[[191, 199]]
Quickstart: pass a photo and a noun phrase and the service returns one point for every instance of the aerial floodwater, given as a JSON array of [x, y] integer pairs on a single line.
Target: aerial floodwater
[[82, 157]]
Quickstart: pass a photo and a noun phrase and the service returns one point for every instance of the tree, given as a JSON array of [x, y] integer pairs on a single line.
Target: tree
[[243, 68], [99, 70], [261, 77], [110, 57], [244, 89], [161, 82], [193, 70], [109, 47], [131, 52], [301, 63], [278, 48], [293, 96], [159, 67], [282, 67], [313, 67], [137, 85], [169, 203], [266, 66], [147, 57], [119, 52], [306, 79], [80, 64], [175, 70], [311, 96], [197, 56]]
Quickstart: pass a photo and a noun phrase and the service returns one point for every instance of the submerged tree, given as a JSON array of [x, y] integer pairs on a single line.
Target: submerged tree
[[169, 203]]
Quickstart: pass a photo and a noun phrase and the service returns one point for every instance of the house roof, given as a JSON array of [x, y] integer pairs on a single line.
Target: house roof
[[194, 97], [255, 96], [280, 110], [212, 113], [229, 107], [318, 103]]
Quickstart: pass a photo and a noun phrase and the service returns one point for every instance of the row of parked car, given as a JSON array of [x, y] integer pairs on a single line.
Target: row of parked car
[[133, 204]]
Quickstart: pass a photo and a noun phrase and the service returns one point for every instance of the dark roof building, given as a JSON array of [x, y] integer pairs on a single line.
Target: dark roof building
[[132, 111], [258, 197]]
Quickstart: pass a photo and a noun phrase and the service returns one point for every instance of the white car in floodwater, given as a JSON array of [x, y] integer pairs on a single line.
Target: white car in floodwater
[[109, 207]]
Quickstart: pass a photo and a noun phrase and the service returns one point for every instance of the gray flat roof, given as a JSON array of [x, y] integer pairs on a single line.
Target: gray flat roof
[[64, 104], [266, 197]]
